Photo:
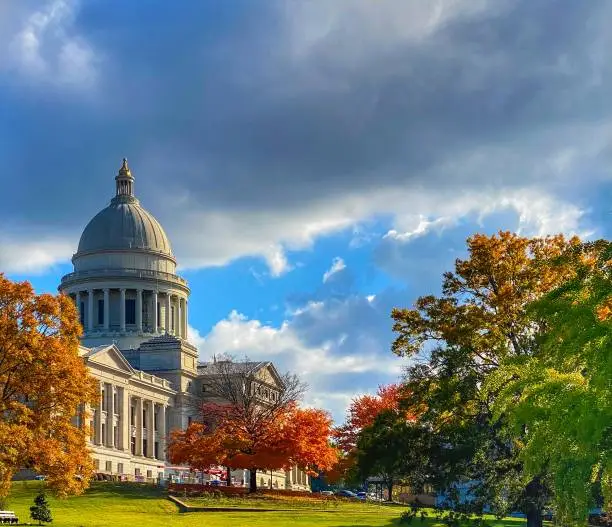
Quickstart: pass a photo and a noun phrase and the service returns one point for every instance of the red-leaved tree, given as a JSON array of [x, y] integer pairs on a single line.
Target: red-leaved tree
[[361, 414], [297, 437], [250, 419]]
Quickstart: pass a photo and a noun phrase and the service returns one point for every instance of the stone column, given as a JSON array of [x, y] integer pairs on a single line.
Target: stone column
[[77, 301], [139, 425], [161, 422], [122, 310], [139, 309], [110, 413], [106, 308], [99, 440], [155, 321], [150, 429], [90, 309], [185, 319], [179, 325], [167, 313], [124, 420]]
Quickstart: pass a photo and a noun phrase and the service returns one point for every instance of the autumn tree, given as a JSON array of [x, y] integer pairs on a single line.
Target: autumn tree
[[43, 384], [250, 419], [361, 413], [558, 402], [461, 337]]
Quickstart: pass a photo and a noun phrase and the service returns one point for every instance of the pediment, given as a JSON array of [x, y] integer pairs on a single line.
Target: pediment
[[111, 357], [267, 373]]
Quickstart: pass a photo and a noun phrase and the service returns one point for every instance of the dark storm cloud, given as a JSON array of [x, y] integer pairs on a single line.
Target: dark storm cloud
[[206, 98]]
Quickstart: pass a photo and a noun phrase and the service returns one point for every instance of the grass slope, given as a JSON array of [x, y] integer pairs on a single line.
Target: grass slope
[[119, 505]]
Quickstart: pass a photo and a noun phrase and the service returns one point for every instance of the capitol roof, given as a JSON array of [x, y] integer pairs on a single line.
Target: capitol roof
[[124, 224]]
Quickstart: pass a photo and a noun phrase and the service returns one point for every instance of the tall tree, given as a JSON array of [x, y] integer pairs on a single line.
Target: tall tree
[[391, 449], [459, 339], [558, 402], [250, 423], [361, 413], [43, 384]]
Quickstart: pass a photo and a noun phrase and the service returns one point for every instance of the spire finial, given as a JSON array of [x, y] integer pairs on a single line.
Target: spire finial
[[125, 169]]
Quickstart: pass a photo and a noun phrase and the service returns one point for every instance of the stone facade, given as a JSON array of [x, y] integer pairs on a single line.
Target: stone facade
[[134, 312]]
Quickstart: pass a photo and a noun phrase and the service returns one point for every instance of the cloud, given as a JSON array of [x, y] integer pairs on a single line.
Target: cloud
[[47, 49], [315, 118], [338, 265], [339, 347], [33, 256]]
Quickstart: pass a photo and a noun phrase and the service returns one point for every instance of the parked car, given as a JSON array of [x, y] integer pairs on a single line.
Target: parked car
[[362, 495], [40, 477], [343, 493], [327, 493]]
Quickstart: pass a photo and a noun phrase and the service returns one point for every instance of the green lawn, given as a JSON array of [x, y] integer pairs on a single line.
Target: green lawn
[[120, 505], [259, 501]]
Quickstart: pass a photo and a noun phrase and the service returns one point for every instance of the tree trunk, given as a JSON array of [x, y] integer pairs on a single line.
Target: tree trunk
[[534, 517], [390, 489], [534, 492], [228, 476], [252, 481]]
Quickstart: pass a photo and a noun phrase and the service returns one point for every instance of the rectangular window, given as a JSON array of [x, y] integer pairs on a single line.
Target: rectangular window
[[115, 402], [92, 431], [132, 415], [149, 473], [100, 312], [172, 318], [144, 447], [136, 472], [115, 436], [156, 450], [133, 445], [119, 468], [103, 438], [97, 464], [144, 418], [130, 311], [158, 315], [155, 414], [109, 466], [103, 400]]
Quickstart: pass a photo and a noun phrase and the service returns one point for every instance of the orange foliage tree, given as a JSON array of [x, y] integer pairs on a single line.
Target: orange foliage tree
[[295, 437], [361, 414], [44, 386], [363, 411], [249, 421]]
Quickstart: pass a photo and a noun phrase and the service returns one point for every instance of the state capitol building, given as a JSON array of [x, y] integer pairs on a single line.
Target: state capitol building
[[134, 311]]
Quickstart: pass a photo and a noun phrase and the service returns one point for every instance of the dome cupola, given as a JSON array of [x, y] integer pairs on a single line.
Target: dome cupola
[[124, 282], [124, 224]]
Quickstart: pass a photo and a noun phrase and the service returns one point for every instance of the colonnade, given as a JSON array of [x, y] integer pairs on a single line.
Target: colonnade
[[154, 311], [131, 423], [295, 476]]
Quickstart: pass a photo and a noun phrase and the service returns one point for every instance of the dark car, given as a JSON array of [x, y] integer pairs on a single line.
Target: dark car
[[346, 494]]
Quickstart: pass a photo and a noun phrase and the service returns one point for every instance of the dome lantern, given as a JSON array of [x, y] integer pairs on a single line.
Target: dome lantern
[[125, 181]]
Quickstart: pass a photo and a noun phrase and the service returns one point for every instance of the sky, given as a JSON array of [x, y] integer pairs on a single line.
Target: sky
[[314, 163]]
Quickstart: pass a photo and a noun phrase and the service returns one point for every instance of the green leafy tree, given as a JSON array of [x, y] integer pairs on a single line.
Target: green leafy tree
[[390, 449], [558, 403], [40, 511], [462, 337]]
